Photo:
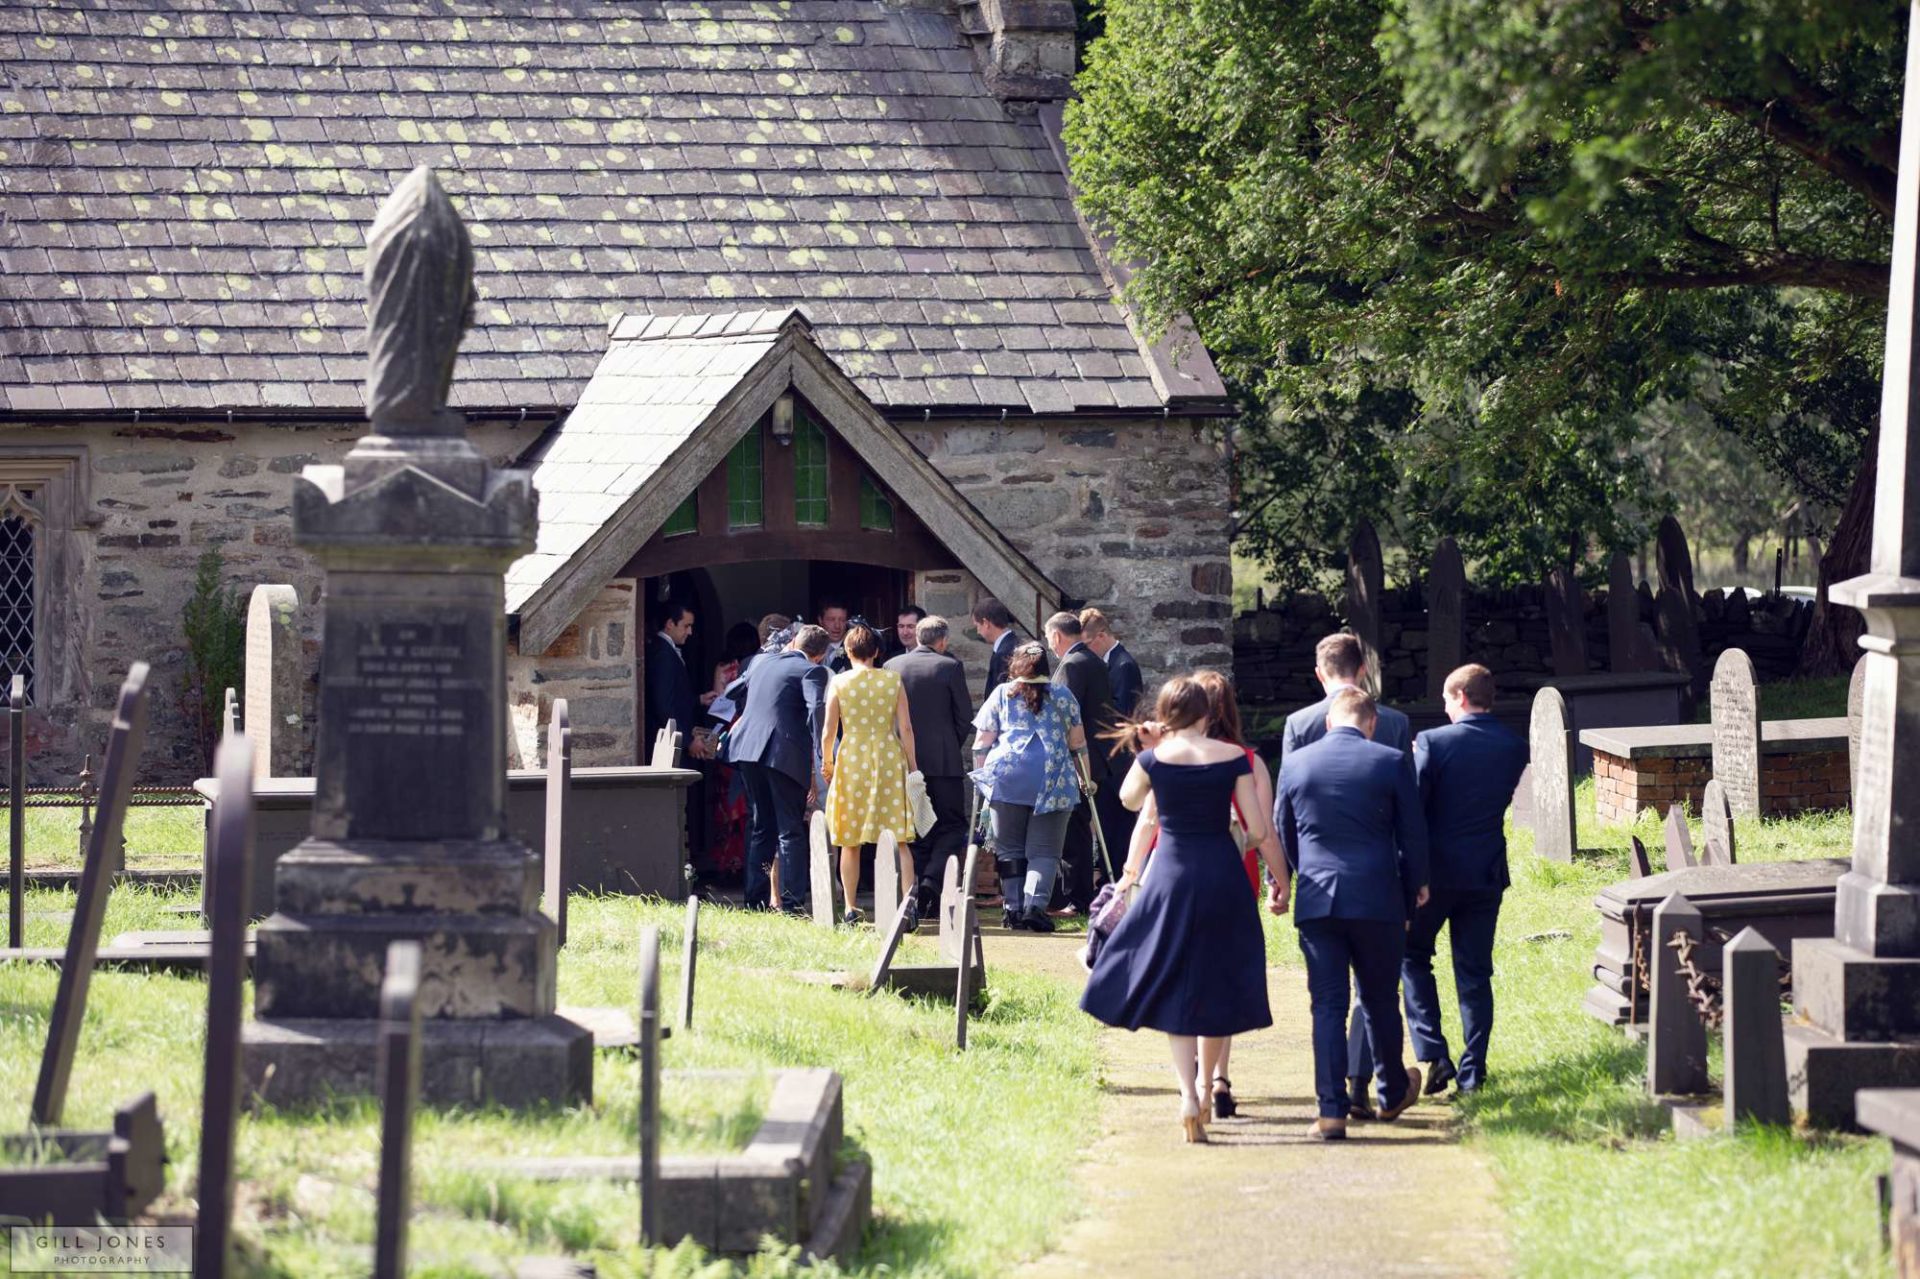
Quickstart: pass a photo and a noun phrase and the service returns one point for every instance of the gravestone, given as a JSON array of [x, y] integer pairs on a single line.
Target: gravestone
[[1366, 581], [230, 859], [963, 988], [1754, 1057], [952, 897], [1446, 616], [896, 931], [1566, 622], [1623, 616], [559, 784], [666, 747], [650, 1223], [820, 871], [1639, 865], [1679, 839], [399, 1091], [1736, 731], [105, 856], [17, 813], [1676, 1039], [1672, 560], [689, 958], [414, 530], [1856, 693], [1679, 636], [1550, 761], [1716, 825], [274, 676], [229, 713], [886, 878]]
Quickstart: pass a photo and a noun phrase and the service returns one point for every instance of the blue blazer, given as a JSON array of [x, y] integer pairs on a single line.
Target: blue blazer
[[670, 694], [1124, 679], [1351, 826], [1309, 724], [1467, 772], [780, 724]]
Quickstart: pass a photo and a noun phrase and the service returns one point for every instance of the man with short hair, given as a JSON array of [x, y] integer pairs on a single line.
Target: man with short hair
[[833, 620], [1080, 670], [1354, 835], [671, 697], [774, 743], [1126, 686], [942, 715], [1467, 772], [1123, 673], [995, 624], [1339, 662], [904, 637]]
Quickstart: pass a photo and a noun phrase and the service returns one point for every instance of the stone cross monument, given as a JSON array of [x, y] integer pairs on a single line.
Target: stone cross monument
[[1858, 993], [409, 840]]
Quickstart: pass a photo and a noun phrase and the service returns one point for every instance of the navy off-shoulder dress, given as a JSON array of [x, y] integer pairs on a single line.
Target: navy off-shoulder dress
[[1189, 958]]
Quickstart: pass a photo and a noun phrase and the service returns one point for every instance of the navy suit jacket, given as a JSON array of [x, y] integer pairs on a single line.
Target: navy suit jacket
[[1467, 772], [780, 724], [1123, 677], [1352, 829], [1309, 724], [997, 661], [1085, 676], [670, 694]]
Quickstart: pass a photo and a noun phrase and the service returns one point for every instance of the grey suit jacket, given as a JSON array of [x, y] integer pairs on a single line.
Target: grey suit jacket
[[937, 703]]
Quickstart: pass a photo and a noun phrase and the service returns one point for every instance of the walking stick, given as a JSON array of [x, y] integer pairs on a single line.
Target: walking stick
[[1082, 771]]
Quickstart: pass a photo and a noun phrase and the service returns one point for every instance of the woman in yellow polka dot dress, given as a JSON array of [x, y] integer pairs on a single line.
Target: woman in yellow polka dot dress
[[867, 775]]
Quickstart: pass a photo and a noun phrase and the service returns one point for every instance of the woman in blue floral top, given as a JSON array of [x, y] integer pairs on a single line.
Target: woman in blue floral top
[[1029, 732]]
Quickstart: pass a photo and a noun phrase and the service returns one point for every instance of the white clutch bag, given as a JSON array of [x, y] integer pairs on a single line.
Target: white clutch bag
[[923, 817]]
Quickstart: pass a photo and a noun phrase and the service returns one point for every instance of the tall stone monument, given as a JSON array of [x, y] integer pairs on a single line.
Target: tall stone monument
[[409, 841], [1366, 583], [1446, 616], [1858, 993]]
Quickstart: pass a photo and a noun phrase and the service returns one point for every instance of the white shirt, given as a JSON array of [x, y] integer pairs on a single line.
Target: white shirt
[[675, 647]]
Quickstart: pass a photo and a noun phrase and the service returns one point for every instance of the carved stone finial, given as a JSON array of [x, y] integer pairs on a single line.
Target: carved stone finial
[[419, 302]]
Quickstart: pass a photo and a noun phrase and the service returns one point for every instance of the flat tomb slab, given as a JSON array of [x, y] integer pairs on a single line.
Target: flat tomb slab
[[514, 1062], [1682, 741]]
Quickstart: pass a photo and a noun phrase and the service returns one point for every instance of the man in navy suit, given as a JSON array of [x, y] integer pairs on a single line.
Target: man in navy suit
[[1467, 772], [671, 696], [995, 624], [772, 743], [1353, 833], [1125, 685], [1338, 663]]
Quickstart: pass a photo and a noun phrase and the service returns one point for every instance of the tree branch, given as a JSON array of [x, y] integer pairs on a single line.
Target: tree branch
[[1875, 183], [1863, 279]]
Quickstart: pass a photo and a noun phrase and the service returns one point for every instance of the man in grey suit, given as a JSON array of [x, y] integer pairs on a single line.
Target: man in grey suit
[[942, 715], [1339, 662], [775, 744], [1085, 676]]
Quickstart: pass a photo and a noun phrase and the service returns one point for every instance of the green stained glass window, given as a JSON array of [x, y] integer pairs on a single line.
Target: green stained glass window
[[685, 519], [809, 472], [743, 482], [876, 510]]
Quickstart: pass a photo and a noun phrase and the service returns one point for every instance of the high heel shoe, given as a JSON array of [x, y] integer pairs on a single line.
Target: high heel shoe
[[1224, 1106], [1193, 1124]]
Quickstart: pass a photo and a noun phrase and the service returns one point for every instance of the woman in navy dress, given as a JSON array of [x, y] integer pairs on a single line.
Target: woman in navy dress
[[1189, 958]]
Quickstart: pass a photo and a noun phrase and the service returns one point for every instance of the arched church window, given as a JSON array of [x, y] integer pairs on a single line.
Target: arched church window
[[20, 524]]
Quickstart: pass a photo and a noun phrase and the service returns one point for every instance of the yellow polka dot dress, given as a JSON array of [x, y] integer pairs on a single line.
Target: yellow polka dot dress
[[869, 790]]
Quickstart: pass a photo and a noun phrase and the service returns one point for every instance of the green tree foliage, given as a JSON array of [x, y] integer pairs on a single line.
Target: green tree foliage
[[1448, 252], [215, 621]]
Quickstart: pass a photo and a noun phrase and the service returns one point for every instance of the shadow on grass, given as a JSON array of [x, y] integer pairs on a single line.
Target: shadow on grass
[[1595, 1093]]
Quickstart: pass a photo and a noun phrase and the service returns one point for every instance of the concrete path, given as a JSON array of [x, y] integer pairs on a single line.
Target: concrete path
[[1260, 1199]]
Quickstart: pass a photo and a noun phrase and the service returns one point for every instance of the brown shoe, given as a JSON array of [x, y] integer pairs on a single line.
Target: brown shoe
[[1390, 1113], [1327, 1130]]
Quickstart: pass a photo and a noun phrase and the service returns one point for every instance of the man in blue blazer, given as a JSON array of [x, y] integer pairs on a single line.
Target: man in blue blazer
[[1355, 839], [773, 744], [1338, 662], [1467, 772]]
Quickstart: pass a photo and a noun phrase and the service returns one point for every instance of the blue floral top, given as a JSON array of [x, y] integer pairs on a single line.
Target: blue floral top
[[1030, 762]]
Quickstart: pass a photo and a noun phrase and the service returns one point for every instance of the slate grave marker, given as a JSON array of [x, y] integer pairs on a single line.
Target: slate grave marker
[[1366, 582], [398, 1085], [1639, 865], [1716, 823], [230, 858], [650, 1223], [1446, 616], [1677, 1040], [1623, 616], [1755, 1055], [1736, 731], [1566, 622], [1679, 839], [689, 958], [559, 785], [1550, 761]]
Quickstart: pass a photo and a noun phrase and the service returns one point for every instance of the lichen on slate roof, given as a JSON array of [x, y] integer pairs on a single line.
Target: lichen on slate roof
[[184, 191]]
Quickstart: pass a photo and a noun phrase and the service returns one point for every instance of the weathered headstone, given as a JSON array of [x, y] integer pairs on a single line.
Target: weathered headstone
[[1677, 1039], [689, 959], [1679, 838], [951, 939], [886, 878], [1366, 582], [104, 858], [1736, 731], [1639, 865], [650, 1224], [1550, 752], [415, 530], [1446, 616], [1566, 622], [399, 1091], [1856, 695], [230, 859], [275, 673], [666, 747], [820, 871], [896, 931], [229, 713], [1755, 1059], [17, 812], [1679, 636], [963, 989], [1673, 561], [1716, 825], [559, 784], [1623, 616]]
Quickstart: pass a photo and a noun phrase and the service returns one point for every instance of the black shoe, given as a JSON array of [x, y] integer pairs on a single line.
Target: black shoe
[[1358, 1105], [1224, 1106], [1036, 920], [913, 918], [853, 918], [1012, 920], [1441, 1073]]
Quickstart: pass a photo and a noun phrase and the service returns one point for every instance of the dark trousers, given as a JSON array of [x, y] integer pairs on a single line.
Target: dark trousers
[[1075, 886], [776, 826], [1116, 819], [1372, 950], [1471, 915], [948, 838]]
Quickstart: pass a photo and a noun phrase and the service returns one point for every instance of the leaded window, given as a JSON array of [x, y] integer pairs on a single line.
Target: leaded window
[[685, 518], [19, 530], [809, 473], [743, 482], [876, 509]]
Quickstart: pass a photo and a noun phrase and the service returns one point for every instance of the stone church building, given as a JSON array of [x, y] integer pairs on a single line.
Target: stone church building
[[777, 301]]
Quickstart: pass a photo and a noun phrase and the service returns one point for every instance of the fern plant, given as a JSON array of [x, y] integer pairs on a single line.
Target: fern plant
[[215, 619]]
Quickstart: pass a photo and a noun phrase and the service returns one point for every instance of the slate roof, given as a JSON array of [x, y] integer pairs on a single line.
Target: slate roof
[[661, 378], [184, 188]]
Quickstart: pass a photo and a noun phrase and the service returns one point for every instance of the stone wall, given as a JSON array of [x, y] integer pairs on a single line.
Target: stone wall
[[594, 665], [1800, 782]]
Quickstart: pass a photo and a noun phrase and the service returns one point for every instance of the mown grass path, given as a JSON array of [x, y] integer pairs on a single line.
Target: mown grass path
[[1259, 1199]]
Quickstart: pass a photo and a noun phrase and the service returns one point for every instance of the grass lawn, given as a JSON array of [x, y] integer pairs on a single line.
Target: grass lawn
[[971, 1152], [157, 838], [1794, 699]]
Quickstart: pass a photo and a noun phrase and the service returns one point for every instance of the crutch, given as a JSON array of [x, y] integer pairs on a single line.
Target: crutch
[[1091, 794]]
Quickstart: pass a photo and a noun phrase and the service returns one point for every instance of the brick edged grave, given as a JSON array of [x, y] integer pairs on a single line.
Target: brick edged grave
[[1803, 767]]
